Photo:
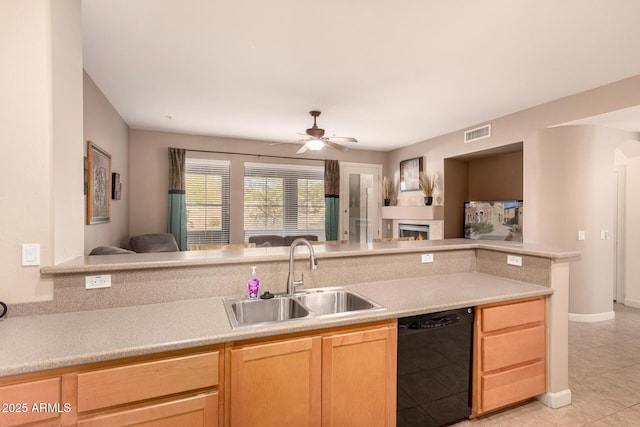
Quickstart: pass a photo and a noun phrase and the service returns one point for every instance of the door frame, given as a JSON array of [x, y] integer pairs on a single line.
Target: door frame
[[344, 194]]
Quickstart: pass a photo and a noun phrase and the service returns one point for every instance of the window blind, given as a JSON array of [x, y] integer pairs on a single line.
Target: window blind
[[283, 199], [207, 198]]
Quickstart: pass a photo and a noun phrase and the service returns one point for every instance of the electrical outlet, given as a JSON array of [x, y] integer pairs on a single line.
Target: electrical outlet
[[95, 282], [427, 258], [514, 260]]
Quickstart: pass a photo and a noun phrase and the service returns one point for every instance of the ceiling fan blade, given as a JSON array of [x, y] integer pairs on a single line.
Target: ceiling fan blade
[[276, 143], [336, 146], [302, 149], [341, 139]]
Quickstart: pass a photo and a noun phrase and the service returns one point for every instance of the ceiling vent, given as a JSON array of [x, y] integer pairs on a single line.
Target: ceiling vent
[[477, 133]]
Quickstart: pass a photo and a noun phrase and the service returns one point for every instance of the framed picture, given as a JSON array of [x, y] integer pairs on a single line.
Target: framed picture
[[116, 186], [86, 175], [410, 171], [98, 184]]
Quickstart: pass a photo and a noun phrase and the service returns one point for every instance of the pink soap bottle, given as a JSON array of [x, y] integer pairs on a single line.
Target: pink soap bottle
[[253, 285]]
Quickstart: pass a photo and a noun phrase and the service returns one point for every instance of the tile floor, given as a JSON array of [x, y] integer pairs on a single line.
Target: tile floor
[[604, 378]]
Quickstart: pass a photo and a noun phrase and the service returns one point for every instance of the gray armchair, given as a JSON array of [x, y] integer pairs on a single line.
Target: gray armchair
[[161, 242]]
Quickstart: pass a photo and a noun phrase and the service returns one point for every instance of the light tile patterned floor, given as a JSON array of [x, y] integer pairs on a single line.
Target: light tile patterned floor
[[604, 378]]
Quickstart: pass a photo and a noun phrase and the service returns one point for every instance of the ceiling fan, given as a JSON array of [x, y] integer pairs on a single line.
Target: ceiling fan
[[316, 140]]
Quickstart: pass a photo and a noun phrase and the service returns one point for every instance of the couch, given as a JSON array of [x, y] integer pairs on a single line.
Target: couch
[[267, 240]]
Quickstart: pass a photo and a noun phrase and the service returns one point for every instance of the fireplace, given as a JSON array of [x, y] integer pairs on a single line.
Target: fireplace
[[417, 231]]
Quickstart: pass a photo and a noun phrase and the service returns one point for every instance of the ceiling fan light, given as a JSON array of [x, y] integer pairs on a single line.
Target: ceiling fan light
[[315, 144]]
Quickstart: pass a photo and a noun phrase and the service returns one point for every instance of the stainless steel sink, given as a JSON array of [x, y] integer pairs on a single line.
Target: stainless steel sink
[[318, 302], [242, 311], [334, 300]]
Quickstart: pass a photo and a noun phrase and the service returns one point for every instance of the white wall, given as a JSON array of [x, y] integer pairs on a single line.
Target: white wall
[[41, 134], [105, 128], [68, 203]]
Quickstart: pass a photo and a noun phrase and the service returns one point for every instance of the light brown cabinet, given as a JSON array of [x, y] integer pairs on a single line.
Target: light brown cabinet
[[275, 383], [340, 377], [176, 388], [510, 353], [359, 377]]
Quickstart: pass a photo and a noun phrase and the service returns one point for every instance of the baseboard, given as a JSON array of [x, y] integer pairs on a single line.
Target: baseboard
[[631, 303], [555, 400], [595, 317]]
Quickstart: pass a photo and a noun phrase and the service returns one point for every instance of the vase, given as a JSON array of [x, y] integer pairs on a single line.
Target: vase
[[428, 200], [387, 202]]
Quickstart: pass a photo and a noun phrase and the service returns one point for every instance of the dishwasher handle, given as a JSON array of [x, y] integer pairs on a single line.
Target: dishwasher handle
[[437, 320]]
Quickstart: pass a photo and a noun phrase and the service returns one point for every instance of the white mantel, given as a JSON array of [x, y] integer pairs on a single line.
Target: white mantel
[[433, 216], [413, 212]]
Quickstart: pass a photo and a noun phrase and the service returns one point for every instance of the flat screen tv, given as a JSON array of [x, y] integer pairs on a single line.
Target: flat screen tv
[[493, 220]]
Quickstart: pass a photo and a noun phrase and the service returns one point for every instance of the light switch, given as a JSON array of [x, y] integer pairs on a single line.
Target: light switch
[[581, 235], [30, 254]]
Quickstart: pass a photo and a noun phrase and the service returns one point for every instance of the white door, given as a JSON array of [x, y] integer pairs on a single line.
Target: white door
[[359, 202], [619, 234]]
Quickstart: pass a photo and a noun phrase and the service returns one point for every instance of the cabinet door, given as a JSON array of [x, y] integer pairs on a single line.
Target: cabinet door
[[194, 411], [276, 384], [19, 401], [359, 378]]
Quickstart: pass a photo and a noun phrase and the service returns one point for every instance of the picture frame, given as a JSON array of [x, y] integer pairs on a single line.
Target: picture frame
[[116, 186], [98, 184], [410, 171]]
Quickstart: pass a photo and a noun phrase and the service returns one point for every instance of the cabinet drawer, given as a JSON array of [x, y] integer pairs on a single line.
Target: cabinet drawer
[[513, 385], [512, 348], [20, 398], [124, 384], [506, 316], [193, 411]]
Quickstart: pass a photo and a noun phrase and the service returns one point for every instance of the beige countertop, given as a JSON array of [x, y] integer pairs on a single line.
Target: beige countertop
[[35, 343], [89, 264]]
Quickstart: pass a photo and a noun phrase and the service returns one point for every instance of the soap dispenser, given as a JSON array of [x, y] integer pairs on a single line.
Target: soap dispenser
[[253, 285]]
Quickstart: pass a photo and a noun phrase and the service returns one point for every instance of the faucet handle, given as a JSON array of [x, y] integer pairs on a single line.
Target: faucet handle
[[300, 282]]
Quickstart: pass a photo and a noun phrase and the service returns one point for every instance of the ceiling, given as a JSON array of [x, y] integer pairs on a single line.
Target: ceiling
[[387, 73]]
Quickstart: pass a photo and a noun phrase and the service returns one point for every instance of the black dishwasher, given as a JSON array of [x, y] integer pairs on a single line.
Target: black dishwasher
[[434, 368]]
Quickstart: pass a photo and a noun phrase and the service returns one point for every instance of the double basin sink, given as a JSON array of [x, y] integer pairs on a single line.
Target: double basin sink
[[318, 302]]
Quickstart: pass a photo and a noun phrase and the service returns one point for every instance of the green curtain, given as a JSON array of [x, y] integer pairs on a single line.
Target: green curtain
[[331, 198], [177, 220]]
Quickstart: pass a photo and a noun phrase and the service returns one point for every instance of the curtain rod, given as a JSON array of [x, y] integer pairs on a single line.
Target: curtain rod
[[255, 155]]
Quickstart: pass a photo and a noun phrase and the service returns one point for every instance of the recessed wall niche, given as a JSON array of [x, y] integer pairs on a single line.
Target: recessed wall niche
[[495, 174]]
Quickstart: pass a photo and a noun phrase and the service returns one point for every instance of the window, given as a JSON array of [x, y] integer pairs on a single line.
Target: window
[[283, 199], [207, 199]]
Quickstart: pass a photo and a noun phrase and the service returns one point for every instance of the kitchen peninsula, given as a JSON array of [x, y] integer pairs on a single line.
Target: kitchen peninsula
[[171, 302]]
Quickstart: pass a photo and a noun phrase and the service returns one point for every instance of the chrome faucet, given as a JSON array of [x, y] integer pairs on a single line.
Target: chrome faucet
[[292, 283]]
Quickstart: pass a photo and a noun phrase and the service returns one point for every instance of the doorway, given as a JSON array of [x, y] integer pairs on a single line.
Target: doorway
[[360, 202]]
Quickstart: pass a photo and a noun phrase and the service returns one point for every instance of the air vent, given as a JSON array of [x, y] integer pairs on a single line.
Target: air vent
[[477, 133]]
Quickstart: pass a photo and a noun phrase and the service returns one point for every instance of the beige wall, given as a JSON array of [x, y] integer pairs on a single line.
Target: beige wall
[[150, 170], [41, 132], [579, 194], [525, 126], [105, 128]]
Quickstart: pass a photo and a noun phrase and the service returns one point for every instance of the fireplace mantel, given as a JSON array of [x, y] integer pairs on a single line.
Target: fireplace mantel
[[413, 212]]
